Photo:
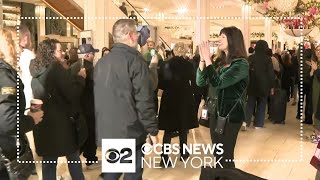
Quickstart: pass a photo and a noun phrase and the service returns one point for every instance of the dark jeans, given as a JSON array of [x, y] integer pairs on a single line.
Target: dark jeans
[[4, 175], [308, 108], [183, 135], [129, 176], [259, 116], [90, 147], [228, 139], [49, 170], [197, 99], [155, 100]]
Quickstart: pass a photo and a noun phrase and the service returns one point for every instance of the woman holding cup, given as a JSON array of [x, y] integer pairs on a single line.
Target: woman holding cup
[[56, 136], [11, 91]]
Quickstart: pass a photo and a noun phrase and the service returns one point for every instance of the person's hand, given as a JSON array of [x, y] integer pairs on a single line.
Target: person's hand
[[154, 139], [154, 59], [308, 63], [36, 116], [204, 50], [82, 72], [314, 65], [272, 91]]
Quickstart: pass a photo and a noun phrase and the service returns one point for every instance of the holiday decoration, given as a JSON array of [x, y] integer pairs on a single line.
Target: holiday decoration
[[293, 15]]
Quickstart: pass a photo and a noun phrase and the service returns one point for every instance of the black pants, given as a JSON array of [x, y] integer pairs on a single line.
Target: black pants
[[228, 139], [155, 100], [307, 92], [129, 176], [197, 99], [4, 174], [90, 147], [183, 135]]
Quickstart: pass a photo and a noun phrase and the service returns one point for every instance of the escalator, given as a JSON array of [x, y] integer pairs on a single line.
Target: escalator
[[68, 8], [143, 21]]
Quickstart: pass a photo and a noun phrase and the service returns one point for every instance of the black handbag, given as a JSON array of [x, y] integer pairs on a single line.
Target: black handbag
[[221, 121], [18, 169], [208, 112]]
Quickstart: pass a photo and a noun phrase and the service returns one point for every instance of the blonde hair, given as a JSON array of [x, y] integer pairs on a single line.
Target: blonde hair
[[8, 47], [180, 49]]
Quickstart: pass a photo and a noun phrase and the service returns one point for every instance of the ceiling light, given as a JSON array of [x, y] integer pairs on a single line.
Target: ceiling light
[[146, 10], [182, 10]]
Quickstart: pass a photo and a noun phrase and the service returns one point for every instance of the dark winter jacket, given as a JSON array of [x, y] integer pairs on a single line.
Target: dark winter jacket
[[177, 111], [123, 95], [261, 73], [56, 134], [230, 83], [8, 111]]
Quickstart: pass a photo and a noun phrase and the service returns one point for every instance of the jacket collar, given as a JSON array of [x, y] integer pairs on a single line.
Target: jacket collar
[[3, 64], [124, 46]]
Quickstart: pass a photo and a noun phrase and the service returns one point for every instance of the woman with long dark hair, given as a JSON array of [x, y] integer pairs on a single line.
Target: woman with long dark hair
[[287, 79], [57, 136], [230, 83]]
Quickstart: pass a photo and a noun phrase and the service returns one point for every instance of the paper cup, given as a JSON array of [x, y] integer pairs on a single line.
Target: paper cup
[[36, 105]]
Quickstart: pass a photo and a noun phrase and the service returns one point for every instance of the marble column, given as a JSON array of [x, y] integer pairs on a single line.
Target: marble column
[[202, 25], [246, 14], [268, 31], [96, 19], [1, 14], [40, 12]]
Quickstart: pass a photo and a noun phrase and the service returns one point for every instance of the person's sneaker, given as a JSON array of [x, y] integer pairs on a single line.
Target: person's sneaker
[[94, 166], [258, 127], [244, 126]]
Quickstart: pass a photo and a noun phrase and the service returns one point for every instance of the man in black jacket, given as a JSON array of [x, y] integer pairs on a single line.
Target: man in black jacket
[[123, 95], [87, 53], [261, 80]]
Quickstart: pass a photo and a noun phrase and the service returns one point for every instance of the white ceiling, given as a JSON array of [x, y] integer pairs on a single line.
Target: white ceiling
[[218, 8]]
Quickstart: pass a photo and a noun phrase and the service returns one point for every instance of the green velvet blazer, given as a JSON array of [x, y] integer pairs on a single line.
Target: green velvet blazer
[[230, 83]]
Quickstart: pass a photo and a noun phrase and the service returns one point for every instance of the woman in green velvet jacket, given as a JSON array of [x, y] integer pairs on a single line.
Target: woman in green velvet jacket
[[230, 83]]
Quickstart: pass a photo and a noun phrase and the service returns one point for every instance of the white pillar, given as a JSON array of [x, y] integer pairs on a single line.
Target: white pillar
[[246, 13], [281, 36], [268, 32], [1, 14], [41, 22], [202, 25], [99, 25]]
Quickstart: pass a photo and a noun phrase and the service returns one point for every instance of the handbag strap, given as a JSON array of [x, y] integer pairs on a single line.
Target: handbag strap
[[234, 106]]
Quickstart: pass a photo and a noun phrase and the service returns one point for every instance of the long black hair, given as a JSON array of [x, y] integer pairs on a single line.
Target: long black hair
[[236, 47]]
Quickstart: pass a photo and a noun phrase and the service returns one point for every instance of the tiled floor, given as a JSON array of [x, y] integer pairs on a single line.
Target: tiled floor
[[274, 143]]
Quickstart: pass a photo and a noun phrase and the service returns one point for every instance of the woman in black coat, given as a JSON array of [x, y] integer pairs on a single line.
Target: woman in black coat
[[8, 104], [287, 79], [56, 136], [177, 110]]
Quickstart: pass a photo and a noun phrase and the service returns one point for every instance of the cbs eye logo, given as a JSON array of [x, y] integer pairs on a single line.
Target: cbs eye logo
[[113, 155]]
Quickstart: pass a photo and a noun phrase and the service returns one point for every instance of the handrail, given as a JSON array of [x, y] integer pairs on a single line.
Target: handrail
[[161, 39]]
